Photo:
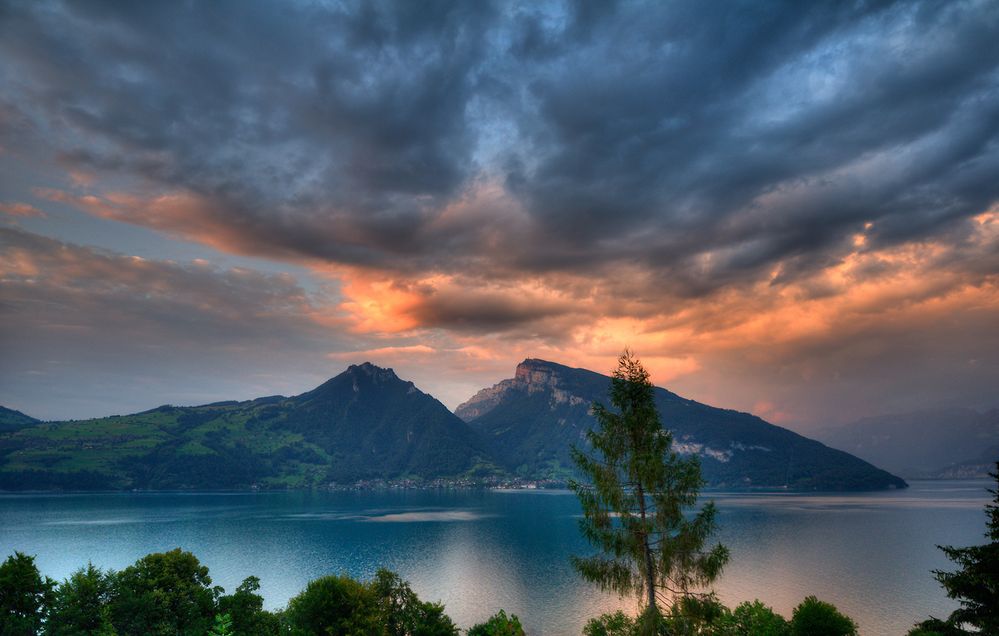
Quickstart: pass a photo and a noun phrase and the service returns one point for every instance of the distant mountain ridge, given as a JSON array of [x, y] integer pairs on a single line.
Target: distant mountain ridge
[[946, 443], [368, 424], [535, 417], [11, 420], [365, 423], [408, 430]]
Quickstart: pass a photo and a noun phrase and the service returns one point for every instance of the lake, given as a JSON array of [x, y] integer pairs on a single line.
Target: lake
[[478, 551]]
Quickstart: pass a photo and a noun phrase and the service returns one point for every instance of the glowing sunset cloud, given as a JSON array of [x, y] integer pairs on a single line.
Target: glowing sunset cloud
[[791, 211]]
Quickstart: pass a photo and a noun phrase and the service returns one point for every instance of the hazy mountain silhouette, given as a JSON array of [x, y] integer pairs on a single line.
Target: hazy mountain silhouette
[[954, 442]]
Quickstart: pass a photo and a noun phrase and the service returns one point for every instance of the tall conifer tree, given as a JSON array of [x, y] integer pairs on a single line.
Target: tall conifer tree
[[635, 503]]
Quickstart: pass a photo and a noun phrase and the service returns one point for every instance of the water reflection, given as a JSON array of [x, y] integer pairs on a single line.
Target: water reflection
[[871, 554]]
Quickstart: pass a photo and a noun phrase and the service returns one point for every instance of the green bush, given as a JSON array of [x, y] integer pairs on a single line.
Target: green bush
[[24, 596], [817, 618], [616, 624], [751, 619], [334, 606], [402, 613], [164, 594], [246, 608], [171, 593], [80, 605], [223, 626], [499, 624], [708, 617]]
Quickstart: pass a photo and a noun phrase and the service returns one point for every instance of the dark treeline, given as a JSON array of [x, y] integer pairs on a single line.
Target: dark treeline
[[171, 593]]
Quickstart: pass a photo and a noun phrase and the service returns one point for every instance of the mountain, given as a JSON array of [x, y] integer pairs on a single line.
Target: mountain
[[980, 467], [374, 424], [11, 420], [365, 423], [368, 424], [952, 442], [534, 418]]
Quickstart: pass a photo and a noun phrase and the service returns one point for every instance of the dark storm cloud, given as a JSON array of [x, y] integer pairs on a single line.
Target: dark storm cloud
[[485, 311], [678, 124], [280, 115], [761, 134], [809, 188]]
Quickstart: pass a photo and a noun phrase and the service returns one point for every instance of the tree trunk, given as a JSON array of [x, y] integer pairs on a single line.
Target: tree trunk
[[650, 578]]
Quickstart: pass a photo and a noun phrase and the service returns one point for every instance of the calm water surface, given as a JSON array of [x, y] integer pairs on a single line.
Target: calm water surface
[[870, 554]]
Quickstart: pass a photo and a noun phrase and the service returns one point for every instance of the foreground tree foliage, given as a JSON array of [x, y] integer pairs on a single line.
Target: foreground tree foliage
[[222, 626], [499, 624], [936, 627], [171, 593], [818, 618], [402, 613], [755, 619], [163, 594], [334, 605], [812, 617], [246, 610], [25, 596], [635, 506], [81, 604], [975, 584]]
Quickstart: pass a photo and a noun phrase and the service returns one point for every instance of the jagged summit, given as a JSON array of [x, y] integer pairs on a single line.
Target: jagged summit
[[364, 378], [354, 379], [373, 371], [533, 375]]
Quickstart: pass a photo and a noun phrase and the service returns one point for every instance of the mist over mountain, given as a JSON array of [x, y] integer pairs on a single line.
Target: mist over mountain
[[368, 424], [533, 419], [948, 443]]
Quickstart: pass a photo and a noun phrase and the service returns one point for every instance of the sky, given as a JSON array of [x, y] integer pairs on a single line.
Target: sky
[[787, 208]]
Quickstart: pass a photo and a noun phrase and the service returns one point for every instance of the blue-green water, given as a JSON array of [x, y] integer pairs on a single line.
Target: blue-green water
[[870, 554]]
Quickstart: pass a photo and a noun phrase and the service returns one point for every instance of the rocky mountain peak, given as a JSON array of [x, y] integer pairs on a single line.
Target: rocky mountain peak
[[537, 374], [376, 373], [357, 378], [532, 376]]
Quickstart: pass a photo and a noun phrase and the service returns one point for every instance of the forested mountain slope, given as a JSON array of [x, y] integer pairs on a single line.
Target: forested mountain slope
[[534, 418]]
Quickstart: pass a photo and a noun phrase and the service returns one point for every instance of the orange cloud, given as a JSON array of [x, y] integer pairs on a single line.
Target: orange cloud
[[182, 214], [382, 352], [20, 209], [484, 321], [916, 285]]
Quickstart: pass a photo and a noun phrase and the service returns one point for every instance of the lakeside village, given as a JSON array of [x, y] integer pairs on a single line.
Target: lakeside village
[[450, 483]]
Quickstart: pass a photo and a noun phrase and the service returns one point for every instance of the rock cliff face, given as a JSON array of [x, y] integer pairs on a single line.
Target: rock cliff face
[[532, 376], [531, 422]]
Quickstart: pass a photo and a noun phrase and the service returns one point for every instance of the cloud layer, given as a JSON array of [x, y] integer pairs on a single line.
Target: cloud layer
[[775, 204], [88, 332]]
